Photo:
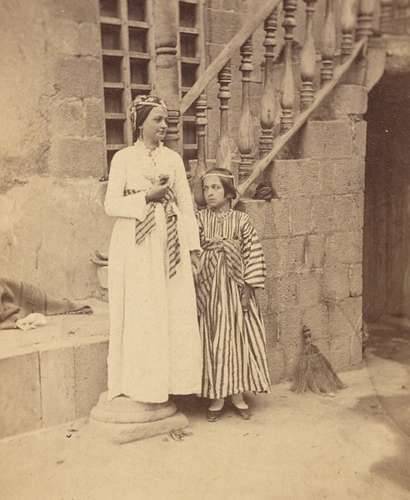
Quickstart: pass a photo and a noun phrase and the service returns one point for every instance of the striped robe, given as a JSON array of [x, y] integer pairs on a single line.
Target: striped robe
[[233, 341]]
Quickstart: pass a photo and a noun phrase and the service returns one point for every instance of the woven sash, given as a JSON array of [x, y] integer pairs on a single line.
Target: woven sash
[[213, 250], [142, 228]]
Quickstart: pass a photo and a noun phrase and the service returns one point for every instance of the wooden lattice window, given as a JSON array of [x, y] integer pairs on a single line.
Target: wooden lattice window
[[192, 60], [128, 64], [127, 51]]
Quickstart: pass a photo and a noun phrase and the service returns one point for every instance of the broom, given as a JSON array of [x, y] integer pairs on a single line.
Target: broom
[[313, 371]]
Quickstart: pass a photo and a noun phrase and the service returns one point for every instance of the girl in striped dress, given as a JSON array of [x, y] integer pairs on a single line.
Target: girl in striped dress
[[231, 267]]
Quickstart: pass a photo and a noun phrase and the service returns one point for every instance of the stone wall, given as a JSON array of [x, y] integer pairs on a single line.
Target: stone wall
[[52, 153], [312, 235]]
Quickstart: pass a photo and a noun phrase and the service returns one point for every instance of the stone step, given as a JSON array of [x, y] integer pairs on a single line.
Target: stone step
[[53, 374]]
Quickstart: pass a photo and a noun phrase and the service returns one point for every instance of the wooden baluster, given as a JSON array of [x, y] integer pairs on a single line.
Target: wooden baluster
[[328, 43], [201, 122], [386, 16], [365, 19], [224, 153], [166, 66], [348, 22], [288, 81], [308, 58], [268, 104], [245, 136]]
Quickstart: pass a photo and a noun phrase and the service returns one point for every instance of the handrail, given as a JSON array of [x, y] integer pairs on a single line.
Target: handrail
[[226, 53], [301, 119]]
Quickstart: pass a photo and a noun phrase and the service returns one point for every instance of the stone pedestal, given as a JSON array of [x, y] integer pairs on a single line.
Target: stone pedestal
[[123, 420]]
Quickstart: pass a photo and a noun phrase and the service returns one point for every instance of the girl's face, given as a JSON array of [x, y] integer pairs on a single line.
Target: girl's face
[[214, 192], [155, 125]]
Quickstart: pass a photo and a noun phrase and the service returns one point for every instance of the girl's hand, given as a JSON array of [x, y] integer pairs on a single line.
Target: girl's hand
[[157, 192], [195, 261], [246, 297]]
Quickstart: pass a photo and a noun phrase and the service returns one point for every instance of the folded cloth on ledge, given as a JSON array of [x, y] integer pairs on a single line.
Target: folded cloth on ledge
[[18, 299]]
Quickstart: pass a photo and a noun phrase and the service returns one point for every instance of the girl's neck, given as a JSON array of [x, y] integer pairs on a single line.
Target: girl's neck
[[150, 145], [222, 208]]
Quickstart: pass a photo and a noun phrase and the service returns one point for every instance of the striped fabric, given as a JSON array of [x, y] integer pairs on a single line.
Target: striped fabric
[[233, 341], [144, 227]]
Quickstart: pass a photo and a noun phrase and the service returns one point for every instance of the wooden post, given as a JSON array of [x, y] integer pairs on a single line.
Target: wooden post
[[223, 152], [167, 83], [348, 22], [268, 102], [386, 16], [288, 81], [308, 58], [365, 19], [245, 138], [328, 43], [201, 123]]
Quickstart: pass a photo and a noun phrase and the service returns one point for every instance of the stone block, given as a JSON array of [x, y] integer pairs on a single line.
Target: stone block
[[94, 118], [316, 318], [215, 4], [284, 292], [356, 280], [277, 218], [346, 247], [327, 139], [322, 214], [78, 77], [74, 157], [67, 118], [309, 289], [57, 386], [348, 99], [20, 395], [221, 26], [292, 178], [356, 349], [315, 250], [296, 254], [359, 128], [348, 212], [327, 177], [276, 362], [335, 281], [340, 352], [290, 326], [257, 210], [276, 253], [300, 215], [271, 328], [352, 309], [230, 5], [75, 10], [89, 40], [348, 175], [90, 363], [64, 37]]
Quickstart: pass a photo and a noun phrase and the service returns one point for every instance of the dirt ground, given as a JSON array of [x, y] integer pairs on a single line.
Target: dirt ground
[[296, 447]]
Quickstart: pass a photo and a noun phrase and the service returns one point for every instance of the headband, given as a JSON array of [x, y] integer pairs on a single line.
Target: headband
[[142, 102], [226, 176]]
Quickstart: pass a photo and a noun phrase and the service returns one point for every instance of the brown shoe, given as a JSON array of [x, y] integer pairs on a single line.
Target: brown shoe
[[243, 413], [213, 415]]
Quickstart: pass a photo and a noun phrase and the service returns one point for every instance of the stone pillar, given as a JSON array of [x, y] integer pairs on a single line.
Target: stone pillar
[[123, 420], [166, 79]]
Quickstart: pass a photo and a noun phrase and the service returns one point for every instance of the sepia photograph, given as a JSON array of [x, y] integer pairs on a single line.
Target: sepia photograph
[[205, 250]]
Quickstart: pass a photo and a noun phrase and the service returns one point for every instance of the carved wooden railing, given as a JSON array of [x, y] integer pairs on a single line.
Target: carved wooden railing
[[357, 22]]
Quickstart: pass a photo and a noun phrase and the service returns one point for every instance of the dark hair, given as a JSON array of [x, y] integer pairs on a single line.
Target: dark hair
[[227, 183], [140, 119]]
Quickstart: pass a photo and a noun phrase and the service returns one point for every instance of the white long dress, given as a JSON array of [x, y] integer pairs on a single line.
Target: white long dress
[[154, 347]]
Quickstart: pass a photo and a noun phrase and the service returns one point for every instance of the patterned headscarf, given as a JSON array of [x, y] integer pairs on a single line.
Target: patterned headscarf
[[141, 107]]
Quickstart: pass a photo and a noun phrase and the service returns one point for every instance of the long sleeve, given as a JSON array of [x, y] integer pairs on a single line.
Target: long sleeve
[[116, 204], [252, 254], [185, 205]]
